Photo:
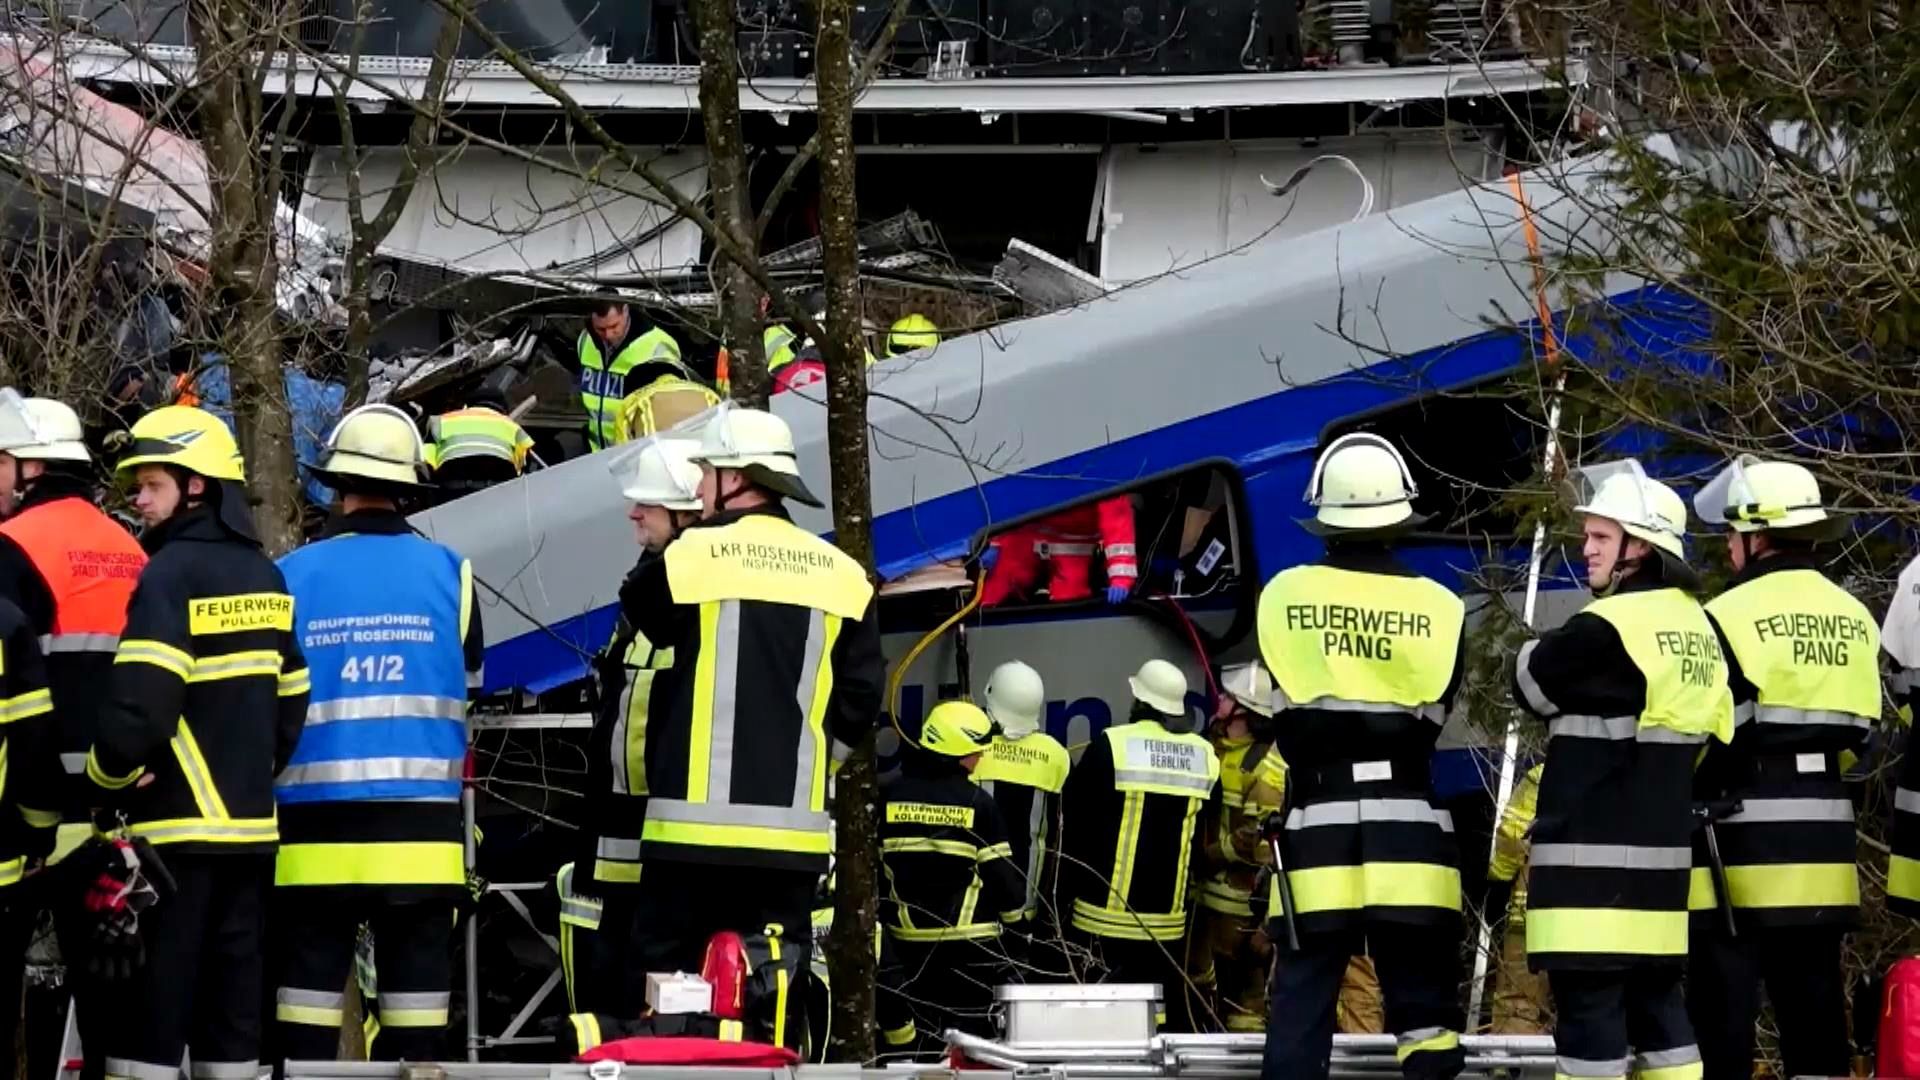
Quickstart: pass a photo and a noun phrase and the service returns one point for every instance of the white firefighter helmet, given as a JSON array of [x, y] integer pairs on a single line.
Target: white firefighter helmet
[[1161, 685], [1251, 685], [1752, 494], [1622, 492], [1015, 698], [1361, 483], [40, 429], [663, 474], [378, 443], [757, 443]]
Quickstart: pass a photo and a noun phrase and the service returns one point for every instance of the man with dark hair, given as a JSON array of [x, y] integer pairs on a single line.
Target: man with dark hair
[[617, 358]]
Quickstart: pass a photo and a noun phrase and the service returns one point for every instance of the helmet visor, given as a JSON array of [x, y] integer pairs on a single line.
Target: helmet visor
[[1727, 491], [1610, 489], [17, 428]]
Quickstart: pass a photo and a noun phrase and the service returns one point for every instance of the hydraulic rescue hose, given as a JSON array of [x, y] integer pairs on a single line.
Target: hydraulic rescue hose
[[900, 670]]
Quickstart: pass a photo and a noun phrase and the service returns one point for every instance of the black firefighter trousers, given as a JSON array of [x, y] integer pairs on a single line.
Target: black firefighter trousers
[[318, 928], [1419, 970], [199, 989], [1800, 967], [1617, 1022]]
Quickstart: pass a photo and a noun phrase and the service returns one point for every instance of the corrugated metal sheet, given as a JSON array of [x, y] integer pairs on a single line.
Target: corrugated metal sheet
[[486, 212]]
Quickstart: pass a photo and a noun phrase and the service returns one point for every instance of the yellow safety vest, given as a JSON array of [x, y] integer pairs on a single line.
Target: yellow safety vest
[[1360, 641], [777, 346], [603, 384], [1809, 648], [1668, 638], [1037, 761], [1149, 760], [477, 432]]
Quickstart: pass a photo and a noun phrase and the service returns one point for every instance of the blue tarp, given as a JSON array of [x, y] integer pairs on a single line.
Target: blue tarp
[[316, 407]]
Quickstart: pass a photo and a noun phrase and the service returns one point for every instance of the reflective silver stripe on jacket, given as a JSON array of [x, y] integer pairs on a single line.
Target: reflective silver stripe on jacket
[[1586, 1067], [1655, 733], [1784, 714], [1666, 1059], [470, 445], [1047, 548], [312, 999], [1612, 856], [1593, 727], [140, 1070], [1535, 697], [74, 762], [1200, 785], [1432, 711], [1906, 800], [1785, 810], [1355, 811], [225, 1070], [415, 1000], [617, 849], [365, 769], [77, 643], [726, 706], [387, 707], [746, 815]]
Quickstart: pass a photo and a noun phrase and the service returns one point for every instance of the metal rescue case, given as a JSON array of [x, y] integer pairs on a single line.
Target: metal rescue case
[[1057, 1015]]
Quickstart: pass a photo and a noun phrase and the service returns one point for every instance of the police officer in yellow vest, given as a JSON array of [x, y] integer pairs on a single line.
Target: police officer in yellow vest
[[1631, 688], [618, 358], [776, 650], [1227, 956], [597, 889], [1803, 663], [1367, 657], [1024, 770], [1131, 805]]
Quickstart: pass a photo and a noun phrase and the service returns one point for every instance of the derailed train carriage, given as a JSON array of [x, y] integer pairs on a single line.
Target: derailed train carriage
[[1203, 396]]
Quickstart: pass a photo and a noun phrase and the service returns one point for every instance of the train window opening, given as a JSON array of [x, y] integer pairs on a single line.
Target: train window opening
[[1469, 451]]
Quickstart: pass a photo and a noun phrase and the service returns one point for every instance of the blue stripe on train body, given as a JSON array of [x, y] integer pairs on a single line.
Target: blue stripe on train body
[[1271, 441]]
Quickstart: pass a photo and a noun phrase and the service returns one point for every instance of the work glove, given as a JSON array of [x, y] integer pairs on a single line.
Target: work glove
[[1117, 594], [990, 558], [129, 880]]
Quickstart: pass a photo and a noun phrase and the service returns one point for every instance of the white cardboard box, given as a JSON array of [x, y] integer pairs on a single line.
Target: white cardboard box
[[678, 993]]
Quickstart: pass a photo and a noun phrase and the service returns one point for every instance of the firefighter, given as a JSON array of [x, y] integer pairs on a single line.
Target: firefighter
[[1130, 807], [1520, 1001], [618, 358], [1802, 658], [204, 703], [664, 487], [951, 881], [1630, 688], [30, 792], [1228, 956], [478, 445], [911, 332], [1024, 770], [71, 570], [775, 649], [1900, 637], [1366, 656], [1062, 545], [370, 817]]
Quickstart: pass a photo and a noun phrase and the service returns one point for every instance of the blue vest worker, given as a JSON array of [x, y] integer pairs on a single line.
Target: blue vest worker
[[370, 802]]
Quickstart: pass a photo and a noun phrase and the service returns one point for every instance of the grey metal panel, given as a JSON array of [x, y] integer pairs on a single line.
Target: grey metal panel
[[1214, 336]]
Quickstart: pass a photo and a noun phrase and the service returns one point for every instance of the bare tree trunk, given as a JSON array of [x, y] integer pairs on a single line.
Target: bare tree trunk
[[729, 180], [367, 233], [234, 37], [850, 959]]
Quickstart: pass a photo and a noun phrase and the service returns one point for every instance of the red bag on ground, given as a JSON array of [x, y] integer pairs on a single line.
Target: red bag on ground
[[1899, 1042], [725, 969], [686, 1050]]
